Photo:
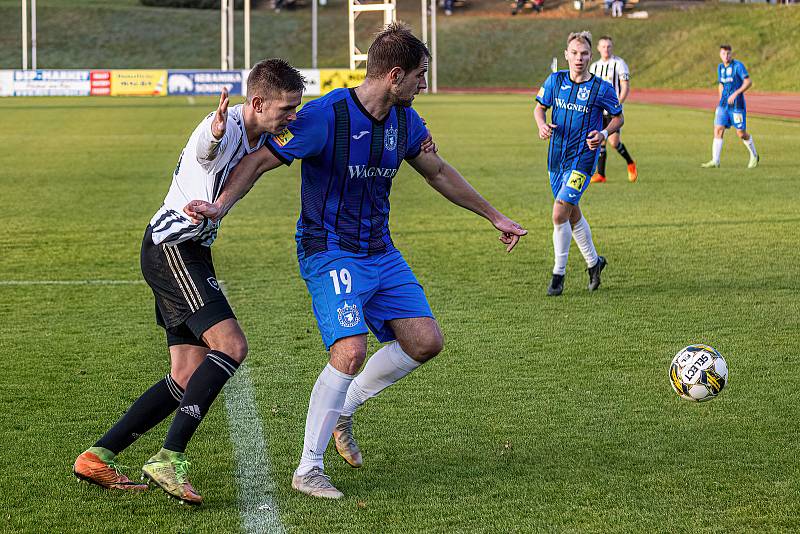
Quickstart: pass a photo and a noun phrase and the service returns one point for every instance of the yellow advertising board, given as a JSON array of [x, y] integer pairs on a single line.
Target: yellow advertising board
[[330, 79], [138, 82]]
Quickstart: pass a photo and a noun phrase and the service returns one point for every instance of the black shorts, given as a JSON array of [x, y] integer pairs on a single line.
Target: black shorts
[[189, 300]]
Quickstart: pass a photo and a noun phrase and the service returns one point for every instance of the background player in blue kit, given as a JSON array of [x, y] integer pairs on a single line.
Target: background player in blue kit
[[733, 80], [578, 99], [352, 143]]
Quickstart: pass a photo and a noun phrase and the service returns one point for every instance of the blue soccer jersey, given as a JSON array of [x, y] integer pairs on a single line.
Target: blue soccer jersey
[[349, 161], [732, 77], [577, 110]]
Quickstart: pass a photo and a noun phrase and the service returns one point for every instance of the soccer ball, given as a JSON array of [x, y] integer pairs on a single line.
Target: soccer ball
[[698, 373]]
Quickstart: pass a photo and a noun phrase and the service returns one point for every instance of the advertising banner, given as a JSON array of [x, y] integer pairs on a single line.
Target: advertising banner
[[138, 82], [6, 83], [100, 82], [51, 83], [330, 79], [312, 81], [204, 82]]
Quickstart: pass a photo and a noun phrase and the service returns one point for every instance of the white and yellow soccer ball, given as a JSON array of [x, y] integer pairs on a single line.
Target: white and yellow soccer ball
[[698, 373]]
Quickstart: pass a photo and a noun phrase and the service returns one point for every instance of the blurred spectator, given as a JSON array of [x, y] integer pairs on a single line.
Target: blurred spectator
[[615, 7], [537, 6]]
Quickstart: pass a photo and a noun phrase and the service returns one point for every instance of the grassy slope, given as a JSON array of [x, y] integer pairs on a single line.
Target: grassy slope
[[674, 49], [541, 414]]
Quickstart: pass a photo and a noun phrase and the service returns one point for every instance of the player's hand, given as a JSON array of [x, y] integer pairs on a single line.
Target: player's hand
[[510, 232], [595, 139], [221, 116], [731, 100], [546, 130], [428, 145], [197, 210]]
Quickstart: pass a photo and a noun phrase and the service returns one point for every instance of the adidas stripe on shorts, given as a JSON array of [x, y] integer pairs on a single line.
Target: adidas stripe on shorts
[[188, 298]]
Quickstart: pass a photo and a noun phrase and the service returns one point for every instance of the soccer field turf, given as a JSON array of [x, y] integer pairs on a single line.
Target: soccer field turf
[[541, 414]]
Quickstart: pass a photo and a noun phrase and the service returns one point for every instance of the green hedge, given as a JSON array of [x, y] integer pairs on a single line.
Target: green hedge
[[194, 4]]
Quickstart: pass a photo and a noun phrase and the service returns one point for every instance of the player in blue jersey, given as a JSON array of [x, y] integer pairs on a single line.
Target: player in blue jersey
[[352, 143], [578, 99], [733, 80]]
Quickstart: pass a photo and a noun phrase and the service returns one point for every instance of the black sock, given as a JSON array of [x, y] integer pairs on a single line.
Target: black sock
[[204, 386], [151, 408], [601, 162], [624, 153]]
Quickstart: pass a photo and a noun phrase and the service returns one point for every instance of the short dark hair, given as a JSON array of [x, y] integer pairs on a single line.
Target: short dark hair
[[395, 46], [270, 77], [606, 38], [725, 47]]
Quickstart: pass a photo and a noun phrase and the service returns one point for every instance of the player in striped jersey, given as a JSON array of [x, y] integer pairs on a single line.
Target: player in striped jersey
[[578, 99], [352, 143], [614, 70], [206, 344]]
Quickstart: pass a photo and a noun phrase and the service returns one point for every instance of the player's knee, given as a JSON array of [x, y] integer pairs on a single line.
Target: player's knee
[[181, 373], [235, 347], [427, 346], [742, 134]]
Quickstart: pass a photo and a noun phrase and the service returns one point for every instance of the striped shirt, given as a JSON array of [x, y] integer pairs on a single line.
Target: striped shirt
[[613, 71], [202, 169]]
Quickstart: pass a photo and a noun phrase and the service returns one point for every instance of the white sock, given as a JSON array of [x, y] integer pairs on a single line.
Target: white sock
[[388, 365], [324, 408], [751, 146], [582, 235], [716, 150], [562, 235]]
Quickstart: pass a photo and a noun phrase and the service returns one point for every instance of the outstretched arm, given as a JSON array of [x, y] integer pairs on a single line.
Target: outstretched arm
[[450, 184], [242, 179]]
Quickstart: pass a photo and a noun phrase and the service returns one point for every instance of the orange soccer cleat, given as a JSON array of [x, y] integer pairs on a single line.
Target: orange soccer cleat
[[633, 174], [598, 178], [93, 469]]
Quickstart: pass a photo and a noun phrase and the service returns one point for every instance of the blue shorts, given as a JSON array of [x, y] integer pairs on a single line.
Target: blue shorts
[[352, 292], [569, 186], [728, 117]]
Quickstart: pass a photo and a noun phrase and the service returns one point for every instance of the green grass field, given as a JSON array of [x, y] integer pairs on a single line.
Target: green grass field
[[674, 48], [541, 415]]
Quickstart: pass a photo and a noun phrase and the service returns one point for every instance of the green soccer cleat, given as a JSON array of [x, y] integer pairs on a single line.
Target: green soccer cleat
[[710, 165], [753, 162], [169, 470]]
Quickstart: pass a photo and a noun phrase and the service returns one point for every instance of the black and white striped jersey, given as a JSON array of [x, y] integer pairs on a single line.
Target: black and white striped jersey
[[202, 169], [613, 71]]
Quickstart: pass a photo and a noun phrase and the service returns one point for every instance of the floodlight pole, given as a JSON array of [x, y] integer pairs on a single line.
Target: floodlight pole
[[223, 54], [24, 34], [434, 61], [246, 34], [33, 34], [231, 62], [314, 15]]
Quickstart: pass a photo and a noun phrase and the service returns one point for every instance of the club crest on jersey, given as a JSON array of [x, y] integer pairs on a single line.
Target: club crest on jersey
[[583, 93], [213, 282], [390, 139], [284, 137], [348, 315]]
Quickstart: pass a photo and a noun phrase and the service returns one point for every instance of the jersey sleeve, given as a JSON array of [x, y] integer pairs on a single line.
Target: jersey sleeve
[[208, 149], [545, 94], [719, 73], [305, 137], [742, 70], [624, 71], [607, 99], [417, 132]]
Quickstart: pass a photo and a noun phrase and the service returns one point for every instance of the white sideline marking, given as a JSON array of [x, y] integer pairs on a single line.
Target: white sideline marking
[[257, 504], [70, 282]]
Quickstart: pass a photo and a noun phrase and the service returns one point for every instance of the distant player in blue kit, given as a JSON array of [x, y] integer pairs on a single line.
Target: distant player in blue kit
[[352, 143], [578, 99], [733, 80]]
